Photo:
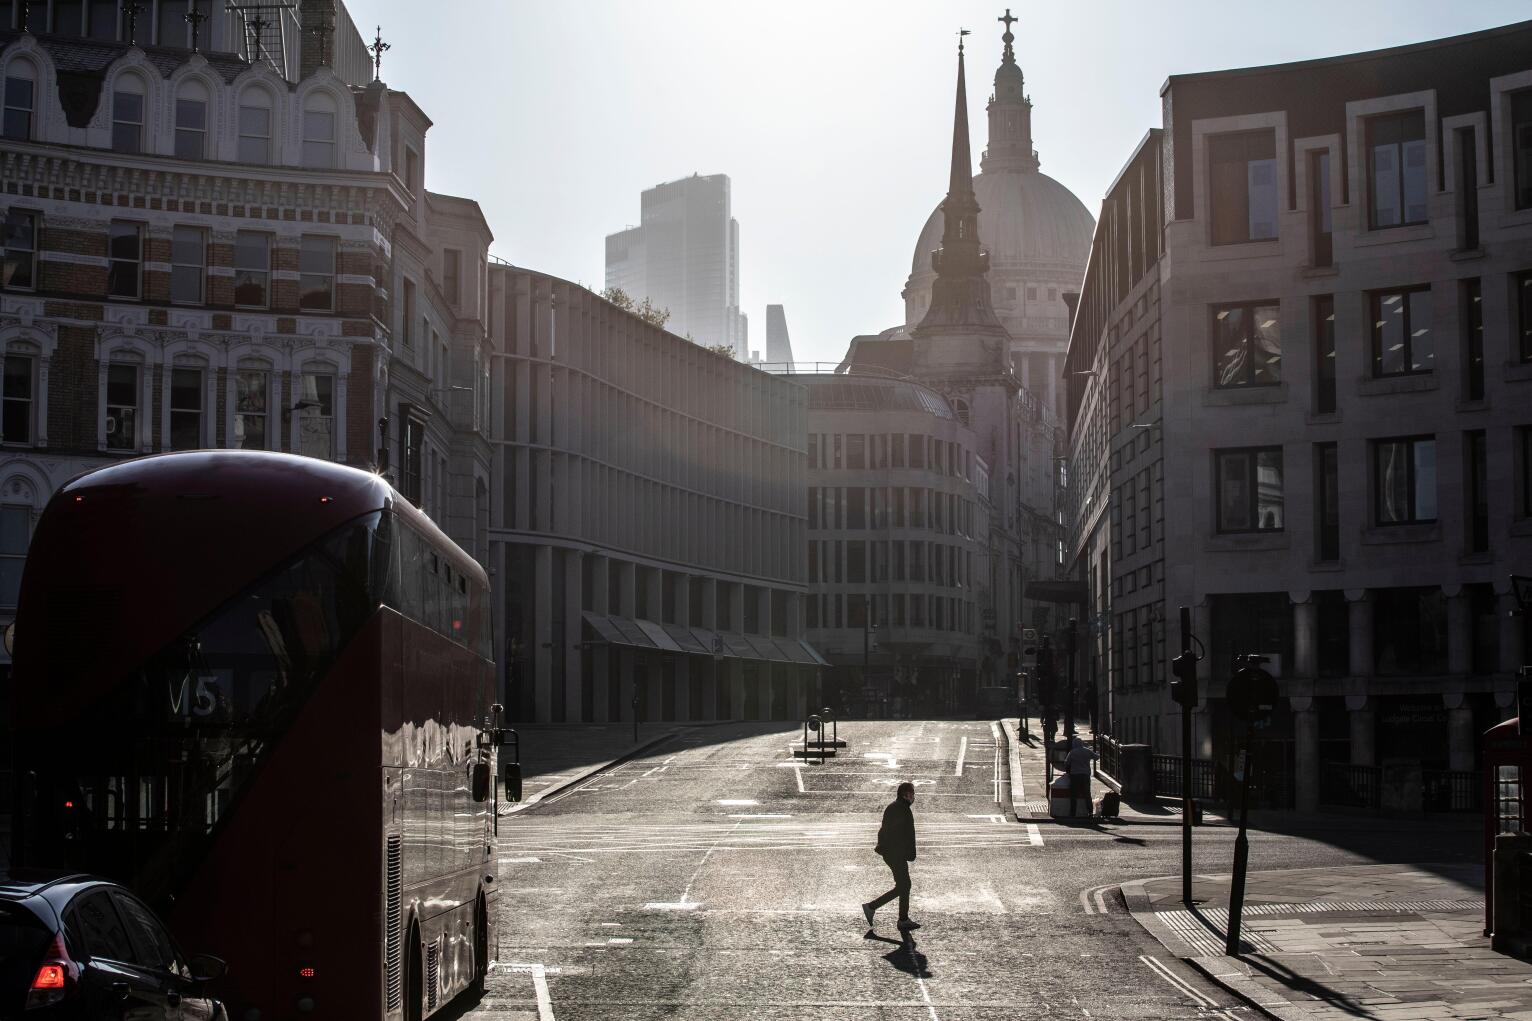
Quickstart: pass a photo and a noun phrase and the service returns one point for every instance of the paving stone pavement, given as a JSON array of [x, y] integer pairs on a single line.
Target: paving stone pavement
[[1387, 942]]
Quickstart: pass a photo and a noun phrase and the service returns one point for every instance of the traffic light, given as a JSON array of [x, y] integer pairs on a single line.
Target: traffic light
[[1183, 687], [1252, 692]]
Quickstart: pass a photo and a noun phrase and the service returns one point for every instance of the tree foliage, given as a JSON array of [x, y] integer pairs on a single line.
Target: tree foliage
[[645, 310], [721, 349]]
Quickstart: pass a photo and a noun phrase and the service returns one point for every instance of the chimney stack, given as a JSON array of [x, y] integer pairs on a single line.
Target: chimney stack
[[316, 22]]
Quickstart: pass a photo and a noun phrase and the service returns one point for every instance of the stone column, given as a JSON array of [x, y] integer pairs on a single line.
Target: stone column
[[1459, 630], [627, 662], [601, 654], [574, 626], [1359, 619], [1363, 728], [1305, 635], [1512, 655], [1460, 731], [714, 668], [1306, 752], [542, 635], [736, 667], [683, 662]]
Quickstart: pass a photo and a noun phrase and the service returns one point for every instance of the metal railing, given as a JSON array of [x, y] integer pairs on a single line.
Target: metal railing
[[1167, 777], [1350, 786], [1109, 756], [1449, 790]]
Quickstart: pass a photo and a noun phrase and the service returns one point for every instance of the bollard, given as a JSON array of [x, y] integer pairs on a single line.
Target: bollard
[[824, 750], [835, 741]]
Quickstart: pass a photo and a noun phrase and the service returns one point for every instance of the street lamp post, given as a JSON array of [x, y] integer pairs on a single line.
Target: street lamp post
[[1069, 666]]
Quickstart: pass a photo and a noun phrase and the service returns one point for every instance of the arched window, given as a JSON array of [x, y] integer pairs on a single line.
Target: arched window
[[20, 100], [191, 121], [319, 131], [128, 114], [254, 125]]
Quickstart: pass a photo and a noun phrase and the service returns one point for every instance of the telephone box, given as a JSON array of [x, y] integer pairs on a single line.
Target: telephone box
[[1507, 758]]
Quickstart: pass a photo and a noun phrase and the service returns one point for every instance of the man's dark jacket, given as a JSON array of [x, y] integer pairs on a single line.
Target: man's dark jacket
[[896, 837]]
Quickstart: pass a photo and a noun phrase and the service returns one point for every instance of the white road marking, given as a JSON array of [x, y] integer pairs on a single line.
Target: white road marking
[[1154, 965], [962, 754], [994, 729], [1101, 899], [763, 815], [927, 996], [1034, 835], [670, 906], [798, 772], [990, 818], [540, 985], [738, 802], [520, 861]]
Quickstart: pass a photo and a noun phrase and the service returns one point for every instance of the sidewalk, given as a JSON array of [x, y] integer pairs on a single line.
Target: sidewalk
[[556, 757], [1387, 942], [1029, 801]]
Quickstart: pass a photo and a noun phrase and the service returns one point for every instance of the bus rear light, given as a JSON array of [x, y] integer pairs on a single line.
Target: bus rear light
[[324, 499], [306, 972], [79, 499]]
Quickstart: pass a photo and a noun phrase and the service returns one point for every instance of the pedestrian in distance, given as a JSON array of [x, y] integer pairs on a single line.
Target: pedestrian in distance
[[1078, 763], [896, 846]]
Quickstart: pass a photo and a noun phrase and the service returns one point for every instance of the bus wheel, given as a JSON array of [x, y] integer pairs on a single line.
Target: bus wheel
[[414, 981], [480, 949]]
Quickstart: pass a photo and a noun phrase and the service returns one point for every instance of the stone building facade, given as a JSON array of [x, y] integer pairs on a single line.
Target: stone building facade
[[647, 528], [1298, 404], [200, 252], [901, 591]]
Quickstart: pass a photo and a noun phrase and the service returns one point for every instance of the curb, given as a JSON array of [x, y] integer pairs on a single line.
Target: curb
[[1222, 972], [1013, 762], [579, 778]]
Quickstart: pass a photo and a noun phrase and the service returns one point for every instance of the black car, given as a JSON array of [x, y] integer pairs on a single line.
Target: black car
[[81, 948]]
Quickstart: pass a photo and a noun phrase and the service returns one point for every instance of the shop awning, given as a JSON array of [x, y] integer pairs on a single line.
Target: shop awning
[[650, 636]]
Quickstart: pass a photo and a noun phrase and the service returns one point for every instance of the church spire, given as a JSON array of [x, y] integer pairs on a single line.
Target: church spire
[[1010, 113], [960, 299]]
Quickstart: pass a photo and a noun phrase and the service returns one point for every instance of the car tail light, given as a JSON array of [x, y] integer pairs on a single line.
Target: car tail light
[[55, 976]]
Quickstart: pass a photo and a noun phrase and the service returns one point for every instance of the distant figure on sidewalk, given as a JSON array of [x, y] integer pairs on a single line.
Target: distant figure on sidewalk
[[1078, 764], [896, 845]]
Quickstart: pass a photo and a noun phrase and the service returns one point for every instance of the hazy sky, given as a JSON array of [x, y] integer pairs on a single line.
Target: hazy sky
[[833, 119]]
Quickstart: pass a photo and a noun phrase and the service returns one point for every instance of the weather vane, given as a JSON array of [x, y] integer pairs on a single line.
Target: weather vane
[[961, 33], [378, 47]]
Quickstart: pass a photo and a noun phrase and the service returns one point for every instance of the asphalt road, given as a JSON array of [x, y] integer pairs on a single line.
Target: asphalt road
[[718, 877]]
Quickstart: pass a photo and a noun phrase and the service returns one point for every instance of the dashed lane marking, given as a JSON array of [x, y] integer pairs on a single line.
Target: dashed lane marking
[[1034, 835], [798, 772], [962, 754]]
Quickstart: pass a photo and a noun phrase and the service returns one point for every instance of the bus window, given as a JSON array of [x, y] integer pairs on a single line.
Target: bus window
[[205, 708]]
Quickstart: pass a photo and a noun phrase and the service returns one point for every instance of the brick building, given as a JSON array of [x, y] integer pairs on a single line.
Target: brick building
[[206, 250]]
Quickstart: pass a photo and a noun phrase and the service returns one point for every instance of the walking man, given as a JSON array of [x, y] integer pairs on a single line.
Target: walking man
[[1079, 765], [896, 845]]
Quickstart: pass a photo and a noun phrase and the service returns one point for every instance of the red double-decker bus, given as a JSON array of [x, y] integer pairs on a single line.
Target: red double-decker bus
[[257, 688]]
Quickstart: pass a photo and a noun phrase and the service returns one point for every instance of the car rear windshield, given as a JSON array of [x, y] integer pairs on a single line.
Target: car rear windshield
[[23, 939]]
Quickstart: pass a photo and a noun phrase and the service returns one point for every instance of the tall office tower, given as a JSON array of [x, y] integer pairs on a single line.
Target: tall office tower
[[684, 256], [779, 348]]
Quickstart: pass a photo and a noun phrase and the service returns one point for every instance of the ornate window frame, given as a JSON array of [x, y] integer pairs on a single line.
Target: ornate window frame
[[134, 350], [191, 353], [336, 361], [273, 361], [39, 342]]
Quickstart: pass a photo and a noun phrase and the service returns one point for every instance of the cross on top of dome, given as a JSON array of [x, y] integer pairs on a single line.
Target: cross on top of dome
[[1008, 38]]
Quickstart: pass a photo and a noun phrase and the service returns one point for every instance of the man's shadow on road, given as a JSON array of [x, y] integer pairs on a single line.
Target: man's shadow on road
[[904, 957]]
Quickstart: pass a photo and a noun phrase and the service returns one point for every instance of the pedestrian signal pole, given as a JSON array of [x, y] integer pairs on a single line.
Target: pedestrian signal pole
[[1252, 694], [1183, 689]]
